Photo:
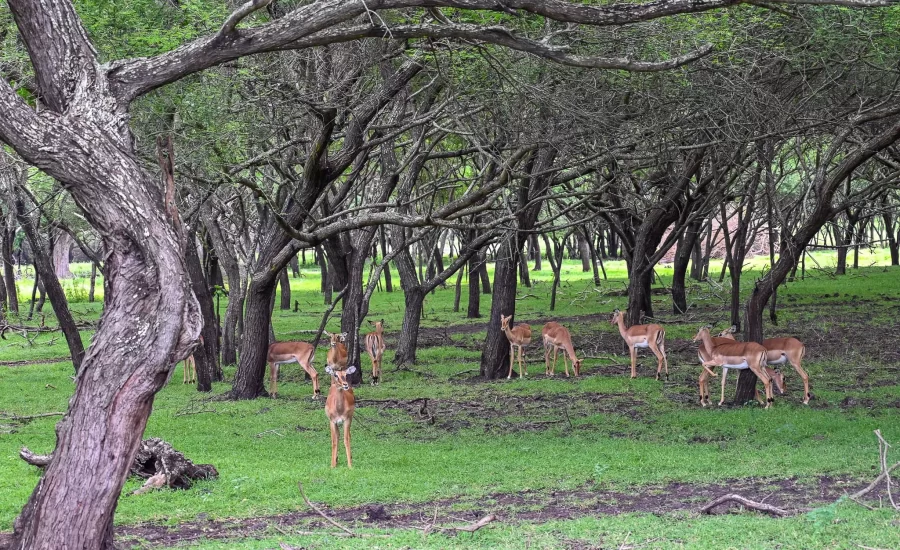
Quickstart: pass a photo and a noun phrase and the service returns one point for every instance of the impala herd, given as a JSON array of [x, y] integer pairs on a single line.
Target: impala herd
[[719, 351]]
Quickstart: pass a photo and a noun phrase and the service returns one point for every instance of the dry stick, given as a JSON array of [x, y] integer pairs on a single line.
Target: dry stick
[[472, 527], [875, 482], [882, 452], [321, 513], [31, 417], [758, 506]]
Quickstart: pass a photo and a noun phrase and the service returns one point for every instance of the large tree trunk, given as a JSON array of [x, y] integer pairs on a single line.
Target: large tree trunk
[[45, 269], [893, 246], [495, 355], [62, 249], [534, 247], [407, 343], [249, 378], [388, 283], [584, 252], [475, 264]]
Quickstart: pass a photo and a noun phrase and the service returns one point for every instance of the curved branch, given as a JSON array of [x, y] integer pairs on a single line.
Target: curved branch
[[239, 14]]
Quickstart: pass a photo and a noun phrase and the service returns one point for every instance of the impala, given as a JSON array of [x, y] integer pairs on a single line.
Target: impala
[[518, 336], [737, 355], [643, 336], [190, 367], [778, 352], [375, 349], [704, 355], [557, 336], [337, 351], [291, 352], [339, 406]]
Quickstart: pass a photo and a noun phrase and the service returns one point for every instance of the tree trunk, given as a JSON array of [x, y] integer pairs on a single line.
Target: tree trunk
[[495, 355], [6, 257], [595, 258], [535, 250], [388, 284], [584, 252], [285, 284], [475, 265], [842, 242], [457, 295], [91, 292], [893, 246], [524, 277], [249, 378], [295, 267], [206, 356], [407, 343], [685, 248], [485, 278], [45, 269], [62, 249]]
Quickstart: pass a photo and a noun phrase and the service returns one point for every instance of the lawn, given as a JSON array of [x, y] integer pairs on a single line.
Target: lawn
[[601, 461]]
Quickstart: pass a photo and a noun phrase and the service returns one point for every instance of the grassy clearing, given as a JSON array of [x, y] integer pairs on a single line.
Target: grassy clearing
[[601, 433]]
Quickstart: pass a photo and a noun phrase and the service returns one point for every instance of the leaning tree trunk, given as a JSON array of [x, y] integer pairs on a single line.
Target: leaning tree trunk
[[285, 284], [44, 267]]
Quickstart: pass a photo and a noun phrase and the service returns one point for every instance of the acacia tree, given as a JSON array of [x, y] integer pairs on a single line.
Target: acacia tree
[[80, 136]]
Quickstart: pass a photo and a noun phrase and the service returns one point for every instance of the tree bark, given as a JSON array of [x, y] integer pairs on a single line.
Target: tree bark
[[6, 257], [206, 356], [496, 347], [249, 378], [475, 266], [62, 249], [686, 246], [584, 252], [388, 283]]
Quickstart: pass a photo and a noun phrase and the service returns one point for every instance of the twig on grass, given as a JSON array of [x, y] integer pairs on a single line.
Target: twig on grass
[[16, 418], [321, 513], [188, 413], [260, 434], [474, 526], [753, 505], [463, 372]]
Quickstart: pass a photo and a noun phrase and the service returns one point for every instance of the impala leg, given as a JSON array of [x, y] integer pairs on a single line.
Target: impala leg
[[566, 363], [512, 357], [805, 378], [761, 373], [546, 359], [521, 363], [555, 360], [724, 376], [659, 358], [334, 443], [185, 372], [273, 380], [314, 376], [633, 362], [704, 376], [347, 441], [662, 350]]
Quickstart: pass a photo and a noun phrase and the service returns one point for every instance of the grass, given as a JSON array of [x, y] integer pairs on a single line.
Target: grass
[[603, 433]]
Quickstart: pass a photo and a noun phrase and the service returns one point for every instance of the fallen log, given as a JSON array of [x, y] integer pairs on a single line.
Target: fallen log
[[156, 461], [746, 502]]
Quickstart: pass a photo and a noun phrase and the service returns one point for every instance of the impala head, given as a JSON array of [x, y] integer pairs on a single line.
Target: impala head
[[776, 377], [699, 336], [336, 337], [504, 321], [379, 326], [339, 377], [728, 332], [615, 317]]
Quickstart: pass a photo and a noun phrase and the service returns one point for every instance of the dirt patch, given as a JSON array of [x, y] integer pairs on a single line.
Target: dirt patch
[[503, 413], [528, 506]]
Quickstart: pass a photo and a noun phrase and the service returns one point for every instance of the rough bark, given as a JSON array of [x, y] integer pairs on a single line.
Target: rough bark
[[7, 238], [503, 302], [62, 249], [206, 356], [285, 284], [475, 266], [685, 248]]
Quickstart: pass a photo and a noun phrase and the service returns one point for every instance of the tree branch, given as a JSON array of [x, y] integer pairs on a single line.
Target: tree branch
[[240, 13]]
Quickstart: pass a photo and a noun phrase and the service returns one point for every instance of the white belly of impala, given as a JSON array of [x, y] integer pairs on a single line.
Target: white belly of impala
[[738, 366], [642, 345], [780, 361]]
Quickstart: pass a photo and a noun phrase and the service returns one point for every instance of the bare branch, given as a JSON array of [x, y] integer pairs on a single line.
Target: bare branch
[[240, 13]]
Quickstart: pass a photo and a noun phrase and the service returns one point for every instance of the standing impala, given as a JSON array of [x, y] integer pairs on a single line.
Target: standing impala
[[290, 352], [190, 368], [778, 352], [518, 336], [339, 406], [737, 355], [557, 336], [705, 355], [375, 349], [643, 336]]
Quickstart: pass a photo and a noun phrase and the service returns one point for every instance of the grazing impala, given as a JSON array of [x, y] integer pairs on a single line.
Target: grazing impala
[[778, 352], [705, 355], [557, 336], [518, 336], [737, 355], [643, 336], [290, 352], [339, 406], [375, 349]]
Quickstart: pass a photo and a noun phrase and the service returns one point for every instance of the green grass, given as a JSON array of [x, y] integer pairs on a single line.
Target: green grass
[[625, 435]]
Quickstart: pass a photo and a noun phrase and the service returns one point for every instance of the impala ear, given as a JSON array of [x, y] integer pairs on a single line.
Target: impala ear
[[326, 333], [382, 322], [732, 329], [329, 370], [351, 369]]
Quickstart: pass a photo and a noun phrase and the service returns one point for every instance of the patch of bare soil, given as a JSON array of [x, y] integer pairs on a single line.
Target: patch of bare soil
[[503, 413], [527, 506]]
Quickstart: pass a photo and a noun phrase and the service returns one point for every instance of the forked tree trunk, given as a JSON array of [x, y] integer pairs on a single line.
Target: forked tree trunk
[[496, 347]]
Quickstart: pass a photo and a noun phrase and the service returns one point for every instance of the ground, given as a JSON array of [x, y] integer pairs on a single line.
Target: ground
[[601, 461]]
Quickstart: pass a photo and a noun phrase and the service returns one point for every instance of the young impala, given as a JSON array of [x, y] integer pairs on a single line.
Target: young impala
[[518, 336], [778, 352], [643, 336], [340, 403], [556, 336], [190, 367], [290, 352], [375, 349], [737, 355]]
